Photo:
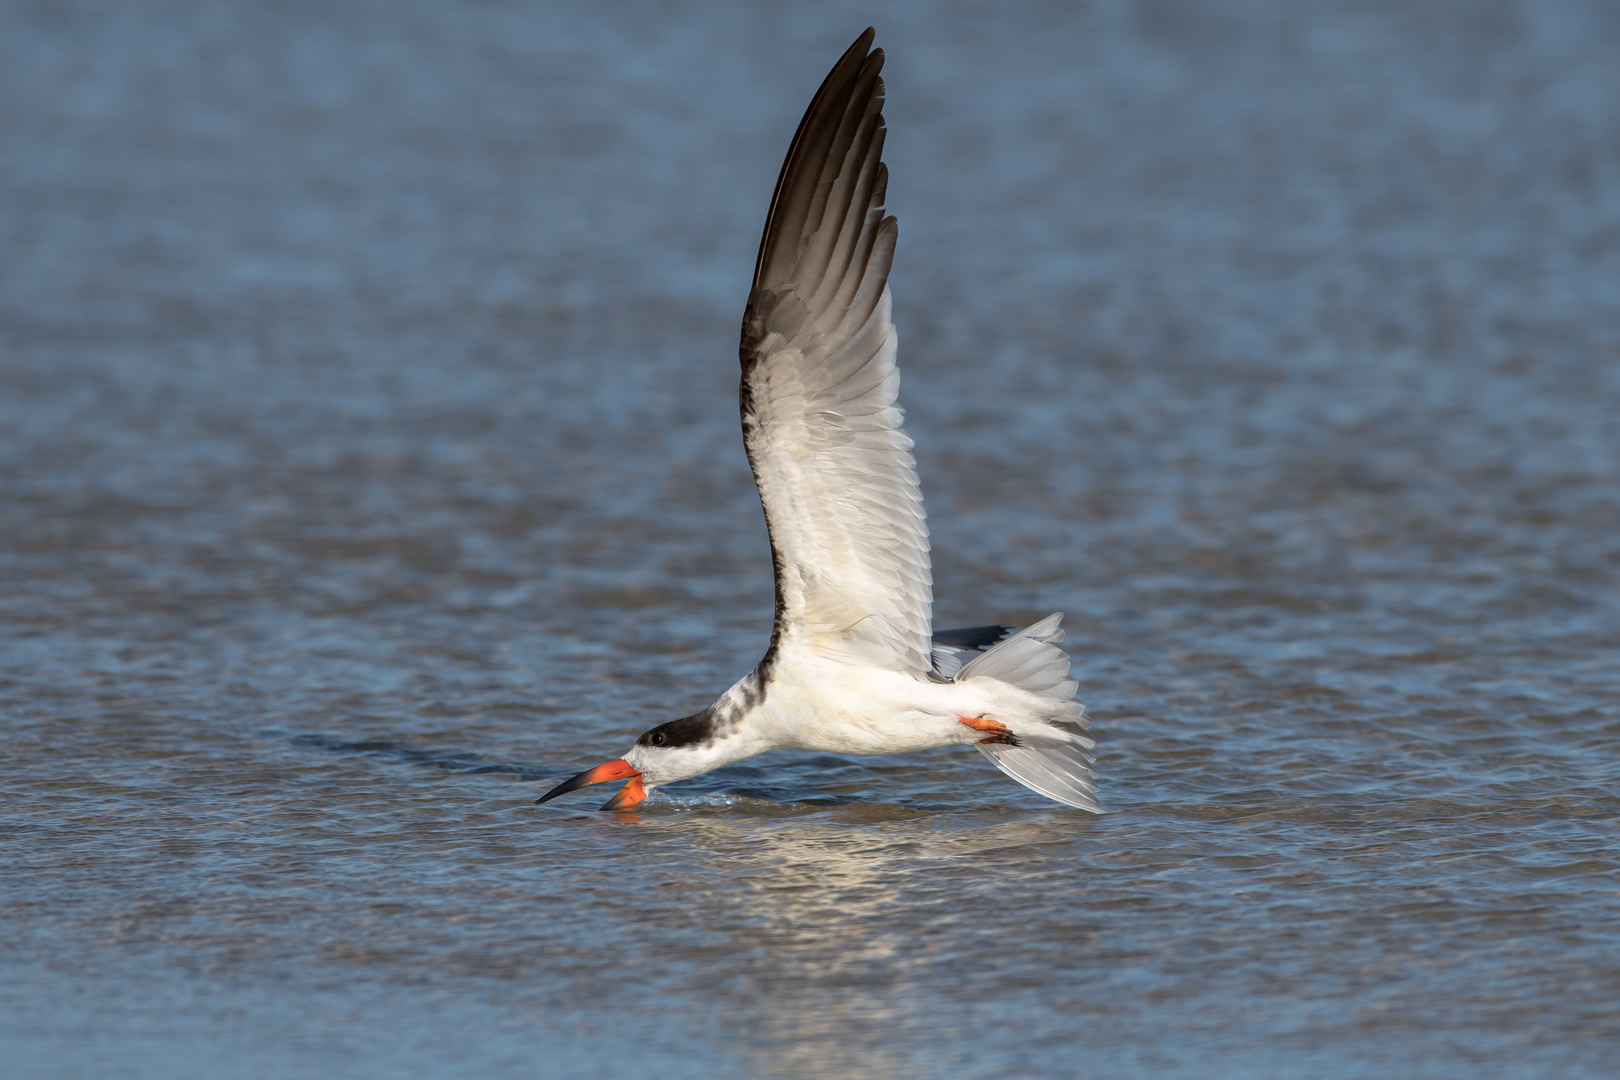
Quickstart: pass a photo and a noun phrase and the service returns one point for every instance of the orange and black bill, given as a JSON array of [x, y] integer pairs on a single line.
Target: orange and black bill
[[628, 796]]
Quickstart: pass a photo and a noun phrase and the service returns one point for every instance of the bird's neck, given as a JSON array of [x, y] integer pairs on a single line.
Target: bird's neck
[[738, 716]]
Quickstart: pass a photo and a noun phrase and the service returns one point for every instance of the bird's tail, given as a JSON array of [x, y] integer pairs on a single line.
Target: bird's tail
[[1032, 661]]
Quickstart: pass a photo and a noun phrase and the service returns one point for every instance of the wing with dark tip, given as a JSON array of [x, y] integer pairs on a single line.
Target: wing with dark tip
[[819, 383], [973, 638], [953, 648]]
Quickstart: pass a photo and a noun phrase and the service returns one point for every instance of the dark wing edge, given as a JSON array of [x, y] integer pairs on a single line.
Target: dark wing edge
[[976, 638], [818, 261], [954, 648]]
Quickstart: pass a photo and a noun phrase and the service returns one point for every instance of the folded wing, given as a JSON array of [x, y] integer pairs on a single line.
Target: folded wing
[[819, 383]]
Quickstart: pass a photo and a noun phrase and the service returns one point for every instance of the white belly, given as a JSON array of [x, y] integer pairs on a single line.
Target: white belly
[[818, 704]]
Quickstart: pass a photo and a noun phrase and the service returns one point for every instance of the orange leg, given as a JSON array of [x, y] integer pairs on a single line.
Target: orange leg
[[996, 731]]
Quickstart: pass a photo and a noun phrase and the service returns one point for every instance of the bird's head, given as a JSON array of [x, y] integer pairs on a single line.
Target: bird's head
[[669, 752]]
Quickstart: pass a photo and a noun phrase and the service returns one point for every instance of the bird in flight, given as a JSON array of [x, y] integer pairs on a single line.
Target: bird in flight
[[854, 666]]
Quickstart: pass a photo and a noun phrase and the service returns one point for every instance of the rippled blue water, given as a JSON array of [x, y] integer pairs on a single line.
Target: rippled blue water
[[368, 457]]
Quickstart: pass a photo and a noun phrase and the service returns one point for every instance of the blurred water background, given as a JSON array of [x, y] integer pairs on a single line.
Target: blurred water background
[[369, 458]]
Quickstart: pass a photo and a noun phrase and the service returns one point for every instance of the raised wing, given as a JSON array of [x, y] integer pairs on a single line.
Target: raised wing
[[833, 466]]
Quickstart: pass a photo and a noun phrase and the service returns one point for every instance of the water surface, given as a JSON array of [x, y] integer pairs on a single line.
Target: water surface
[[369, 459]]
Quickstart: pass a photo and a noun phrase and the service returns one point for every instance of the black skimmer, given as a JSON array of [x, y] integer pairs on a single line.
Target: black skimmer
[[853, 665]]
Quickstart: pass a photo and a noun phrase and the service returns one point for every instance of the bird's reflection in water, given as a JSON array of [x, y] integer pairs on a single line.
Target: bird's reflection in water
[[830, 938]]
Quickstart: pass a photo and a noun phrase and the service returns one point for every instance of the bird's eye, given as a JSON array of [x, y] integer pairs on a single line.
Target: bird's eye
[[656, 738]]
